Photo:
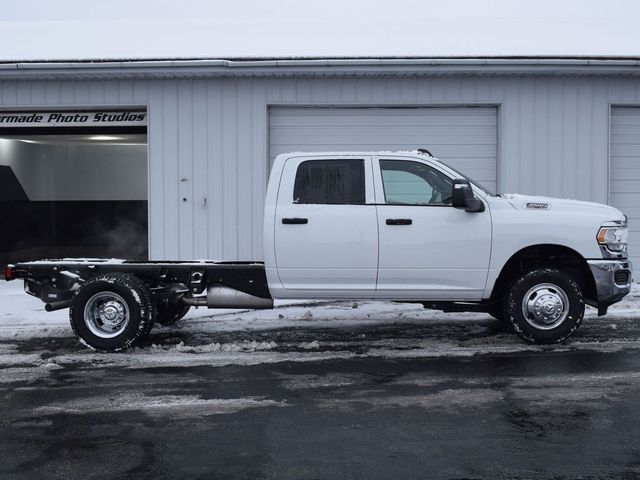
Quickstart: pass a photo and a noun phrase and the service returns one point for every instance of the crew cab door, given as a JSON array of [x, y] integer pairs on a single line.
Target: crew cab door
[[326, 234], [428, 249]]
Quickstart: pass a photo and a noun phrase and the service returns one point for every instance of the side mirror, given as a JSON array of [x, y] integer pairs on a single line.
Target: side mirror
[[462, 197]]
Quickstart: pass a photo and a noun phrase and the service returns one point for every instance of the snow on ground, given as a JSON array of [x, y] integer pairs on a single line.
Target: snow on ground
[[294, 331], [183, 405], [22, 314]]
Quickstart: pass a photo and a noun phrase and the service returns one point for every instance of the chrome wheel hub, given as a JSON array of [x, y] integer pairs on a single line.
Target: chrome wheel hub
[[111, 313], [545, 306], [106, 314]]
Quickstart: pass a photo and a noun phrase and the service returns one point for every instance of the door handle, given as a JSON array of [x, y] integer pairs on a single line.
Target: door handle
[[295, 221], [399, 221]]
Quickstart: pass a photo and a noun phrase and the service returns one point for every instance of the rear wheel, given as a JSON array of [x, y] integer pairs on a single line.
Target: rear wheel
[[111, 312], [544, 305]]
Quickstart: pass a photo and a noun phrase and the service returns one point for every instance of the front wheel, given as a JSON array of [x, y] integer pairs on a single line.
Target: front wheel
[[544, 305]]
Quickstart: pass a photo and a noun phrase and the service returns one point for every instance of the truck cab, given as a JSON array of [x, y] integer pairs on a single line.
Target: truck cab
[[373, 226]]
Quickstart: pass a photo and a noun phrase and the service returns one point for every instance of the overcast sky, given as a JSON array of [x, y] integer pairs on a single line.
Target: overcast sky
[[102, 29]]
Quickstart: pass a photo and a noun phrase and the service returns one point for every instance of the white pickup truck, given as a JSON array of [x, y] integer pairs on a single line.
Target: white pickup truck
[[369, 225]]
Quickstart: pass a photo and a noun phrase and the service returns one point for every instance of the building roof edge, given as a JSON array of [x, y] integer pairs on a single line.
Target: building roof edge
[[329, 66]]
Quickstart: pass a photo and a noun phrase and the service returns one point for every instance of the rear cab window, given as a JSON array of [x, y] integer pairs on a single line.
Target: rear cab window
[[330, 182]]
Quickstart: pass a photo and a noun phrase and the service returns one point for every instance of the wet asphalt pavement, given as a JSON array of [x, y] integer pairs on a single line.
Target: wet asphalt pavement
[[566, 412]]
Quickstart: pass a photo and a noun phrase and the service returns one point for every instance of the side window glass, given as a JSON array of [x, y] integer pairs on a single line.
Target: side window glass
[[414, 183], [330, 182]]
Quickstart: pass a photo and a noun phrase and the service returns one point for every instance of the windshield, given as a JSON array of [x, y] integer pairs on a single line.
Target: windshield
[[471, 180]]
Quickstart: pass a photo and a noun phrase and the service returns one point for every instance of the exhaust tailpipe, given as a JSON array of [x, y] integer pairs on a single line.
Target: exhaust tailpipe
[[53, 306]]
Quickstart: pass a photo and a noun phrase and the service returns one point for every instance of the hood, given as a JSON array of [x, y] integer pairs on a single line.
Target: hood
[[535, 203]]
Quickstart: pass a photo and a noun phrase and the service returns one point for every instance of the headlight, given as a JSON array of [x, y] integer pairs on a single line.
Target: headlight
[[614, 238]]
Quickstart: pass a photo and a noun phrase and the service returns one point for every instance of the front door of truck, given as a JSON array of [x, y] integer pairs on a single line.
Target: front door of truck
[[428, 249], [326, 234]]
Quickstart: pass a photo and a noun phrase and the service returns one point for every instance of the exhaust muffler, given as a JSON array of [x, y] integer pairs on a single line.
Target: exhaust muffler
[[219, 296]]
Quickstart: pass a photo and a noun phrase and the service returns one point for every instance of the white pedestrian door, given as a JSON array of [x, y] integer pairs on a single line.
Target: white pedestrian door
[[326, 237], [428, 249]]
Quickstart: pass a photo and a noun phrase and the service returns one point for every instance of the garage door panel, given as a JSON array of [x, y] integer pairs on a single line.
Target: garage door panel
[[625, 134], [624, 176], [464, 137], [442, 151], [624, 120], [624, 201], [624, 163], [625, 150], [386, 122], [406, 111], [631, 177], [384, 116]]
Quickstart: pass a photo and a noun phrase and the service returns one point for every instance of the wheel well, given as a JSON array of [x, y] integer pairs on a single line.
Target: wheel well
[[563, 258]]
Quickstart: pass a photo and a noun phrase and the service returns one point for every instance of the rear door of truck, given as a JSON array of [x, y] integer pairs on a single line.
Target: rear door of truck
[[326, 232]]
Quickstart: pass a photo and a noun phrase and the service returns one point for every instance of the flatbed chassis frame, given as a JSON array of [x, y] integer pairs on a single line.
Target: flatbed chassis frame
[[55, 281]]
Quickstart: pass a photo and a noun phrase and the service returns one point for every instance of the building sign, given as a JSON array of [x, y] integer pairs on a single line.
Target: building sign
[[66, 118]]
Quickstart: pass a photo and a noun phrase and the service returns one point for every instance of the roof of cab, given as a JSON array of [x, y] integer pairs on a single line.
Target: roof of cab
[[364, 153]]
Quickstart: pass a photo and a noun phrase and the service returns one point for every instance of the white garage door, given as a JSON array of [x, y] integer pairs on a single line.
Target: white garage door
[[624, 189], [464, 137]]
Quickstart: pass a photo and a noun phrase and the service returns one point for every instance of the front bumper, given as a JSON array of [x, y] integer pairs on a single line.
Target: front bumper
[[613, 280]]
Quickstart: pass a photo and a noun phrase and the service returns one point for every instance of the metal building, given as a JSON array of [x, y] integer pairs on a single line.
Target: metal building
[[184, 147]]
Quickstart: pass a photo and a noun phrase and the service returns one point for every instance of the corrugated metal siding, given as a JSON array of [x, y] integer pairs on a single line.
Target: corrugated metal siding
[[625, 171], [213, 133]]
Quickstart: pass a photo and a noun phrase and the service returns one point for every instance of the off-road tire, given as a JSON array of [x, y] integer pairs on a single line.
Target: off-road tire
[[539, 276], [135, 295]]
